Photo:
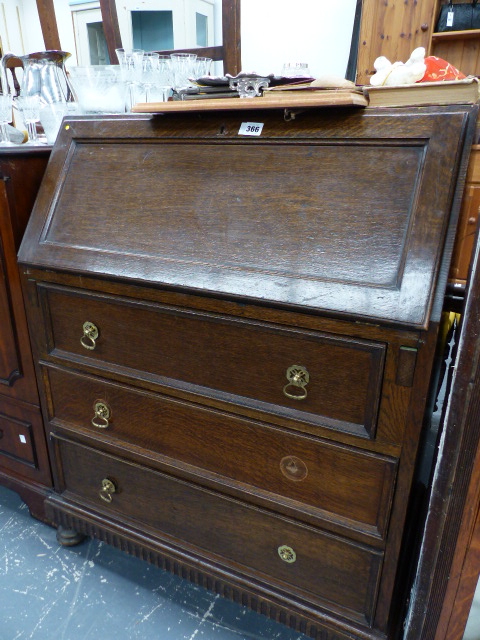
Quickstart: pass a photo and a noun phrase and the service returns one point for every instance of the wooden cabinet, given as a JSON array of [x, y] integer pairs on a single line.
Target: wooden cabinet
[[233, 363], [24, 465], [468, 221], [395, 28], [460, 48]]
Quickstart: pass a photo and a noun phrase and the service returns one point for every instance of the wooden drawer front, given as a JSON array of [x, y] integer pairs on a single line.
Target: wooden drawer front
[[226, 358], [16, 440], [327, 568], [23, 449], [340, 483]]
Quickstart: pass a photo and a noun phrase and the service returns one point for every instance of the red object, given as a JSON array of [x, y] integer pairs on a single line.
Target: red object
[[438, 69]]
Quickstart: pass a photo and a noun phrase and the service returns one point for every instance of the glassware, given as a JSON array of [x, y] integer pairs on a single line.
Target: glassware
[[150, 72], [202, 67], [99, 88], [6, 103], [29, 106], [161, 88], [43, 75], [183, 67], [51, 116], [131, 61], [296, 70]]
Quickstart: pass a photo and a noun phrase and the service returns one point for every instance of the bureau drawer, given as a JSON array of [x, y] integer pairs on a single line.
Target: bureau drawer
[[322, 379], [331, 481], [307, 562]]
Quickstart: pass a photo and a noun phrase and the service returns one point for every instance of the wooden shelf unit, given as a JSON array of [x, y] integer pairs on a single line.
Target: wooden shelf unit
[[395, 29]]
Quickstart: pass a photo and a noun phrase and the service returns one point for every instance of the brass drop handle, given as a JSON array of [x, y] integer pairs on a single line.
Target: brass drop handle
[[287, 554], [90, 335], [102, 415], [107, 490], [298, 378]]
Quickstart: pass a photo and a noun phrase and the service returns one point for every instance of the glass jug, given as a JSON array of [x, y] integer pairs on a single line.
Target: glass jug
[[43, 75]]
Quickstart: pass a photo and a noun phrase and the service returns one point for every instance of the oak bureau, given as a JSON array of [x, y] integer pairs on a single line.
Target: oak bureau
[[233, 338]]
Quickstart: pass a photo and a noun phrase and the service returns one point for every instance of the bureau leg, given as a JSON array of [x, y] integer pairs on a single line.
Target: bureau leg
[[69, 537]]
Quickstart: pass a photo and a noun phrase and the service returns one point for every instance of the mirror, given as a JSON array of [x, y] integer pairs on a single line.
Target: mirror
[[92, 30], [273, 32]]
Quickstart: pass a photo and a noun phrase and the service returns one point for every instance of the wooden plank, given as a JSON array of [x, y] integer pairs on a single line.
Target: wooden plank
[[320, 99], [444, 584], [465, 568], [232, 59], [48, 22], [111, 28], [456, 35]]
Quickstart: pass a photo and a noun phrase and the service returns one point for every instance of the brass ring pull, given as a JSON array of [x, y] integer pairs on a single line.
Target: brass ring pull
[[287, 554], [293, 468], [90, 335], [107, 490], [102, 415], [298, 378]]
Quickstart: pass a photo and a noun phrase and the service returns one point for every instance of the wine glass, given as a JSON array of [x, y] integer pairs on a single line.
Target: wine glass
[[29, 106], [131, 61], [150, 72], [6, 103], [202, 67], [183, 65]]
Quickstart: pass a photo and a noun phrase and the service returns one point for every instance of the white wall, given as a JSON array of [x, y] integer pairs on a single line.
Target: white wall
[[32, 32], [314, 31]]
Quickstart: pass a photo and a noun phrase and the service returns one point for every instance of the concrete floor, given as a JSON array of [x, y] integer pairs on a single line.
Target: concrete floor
[[95, 592]]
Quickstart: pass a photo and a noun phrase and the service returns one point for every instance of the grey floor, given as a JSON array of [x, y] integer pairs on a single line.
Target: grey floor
[[95, 592]]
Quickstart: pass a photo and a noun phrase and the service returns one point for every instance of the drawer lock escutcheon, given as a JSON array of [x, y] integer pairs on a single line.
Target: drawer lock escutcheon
[[90, 335], [298, 378], [102, 415], [107, 490], [287, 554]]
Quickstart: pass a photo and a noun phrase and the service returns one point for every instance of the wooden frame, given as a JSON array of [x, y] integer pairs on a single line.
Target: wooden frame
[[449, 561], [229, 51]]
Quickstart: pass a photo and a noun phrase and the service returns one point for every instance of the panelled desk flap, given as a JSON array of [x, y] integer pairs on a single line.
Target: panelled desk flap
[[335, 211]]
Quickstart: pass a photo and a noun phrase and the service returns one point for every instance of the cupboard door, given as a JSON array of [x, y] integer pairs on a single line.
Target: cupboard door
[[10, 358], [20, 177], [392, 29]]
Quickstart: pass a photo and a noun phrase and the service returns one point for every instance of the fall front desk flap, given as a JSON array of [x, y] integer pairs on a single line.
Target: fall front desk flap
[[332, 210]]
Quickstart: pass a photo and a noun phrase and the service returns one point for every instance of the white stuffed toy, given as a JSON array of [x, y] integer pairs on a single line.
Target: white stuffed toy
[[396, 73]]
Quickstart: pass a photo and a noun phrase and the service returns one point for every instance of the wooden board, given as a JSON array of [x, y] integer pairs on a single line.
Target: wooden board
[[318, 99]]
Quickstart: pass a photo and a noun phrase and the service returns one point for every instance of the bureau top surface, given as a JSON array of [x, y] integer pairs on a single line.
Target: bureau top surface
[[344, 212]]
